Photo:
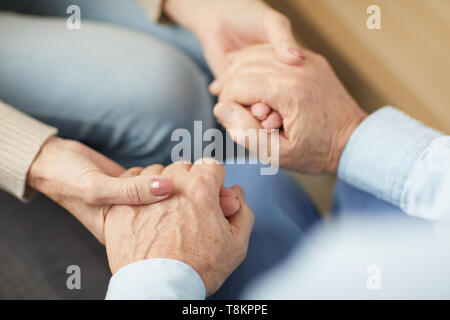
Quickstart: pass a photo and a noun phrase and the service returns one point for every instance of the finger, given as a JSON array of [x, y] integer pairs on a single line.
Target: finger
[[215, 87], [132, 172], [239, 123], [229, 202], [243, 220], [139, 190], [234, 116], [260, 111], [212, 171], [273, 121], [238, 59], [247, 88], [250, 54], [173, 170], [155, 169], [107, 165], [238, 120], [279, 33]]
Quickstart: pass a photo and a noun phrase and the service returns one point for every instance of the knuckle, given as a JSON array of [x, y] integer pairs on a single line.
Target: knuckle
[[157, 166], [321, 58], [282, 20], [217, 168], [132, 192], [252, 218], [132, 172], [241, 251], [199, 181], [91, 190], [153, 169]]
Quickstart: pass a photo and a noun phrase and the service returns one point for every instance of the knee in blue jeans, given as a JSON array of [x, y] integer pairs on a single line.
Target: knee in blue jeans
[[171, 94]]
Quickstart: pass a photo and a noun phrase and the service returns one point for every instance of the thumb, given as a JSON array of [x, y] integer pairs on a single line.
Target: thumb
[[215, 87], [137, 190], [238, 121], [243, 220], [279, 33], [229, 202], [234, 116]]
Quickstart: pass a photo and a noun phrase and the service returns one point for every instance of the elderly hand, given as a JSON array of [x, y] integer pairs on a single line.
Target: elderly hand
[[227, 26], [87, 183], [318, 114], [189, 226]]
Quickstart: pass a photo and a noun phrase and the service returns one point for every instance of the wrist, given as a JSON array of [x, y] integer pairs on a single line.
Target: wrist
[[342, 137], [182, 11], [37, 171]]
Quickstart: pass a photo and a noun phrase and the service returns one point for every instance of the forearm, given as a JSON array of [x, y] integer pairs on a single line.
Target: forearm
[[21, 138], [401, 161]]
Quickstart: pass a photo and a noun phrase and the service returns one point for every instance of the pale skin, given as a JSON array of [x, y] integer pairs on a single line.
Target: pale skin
[[318, 113], [318, 118], [189, 226], [87, 184], [223, 30]]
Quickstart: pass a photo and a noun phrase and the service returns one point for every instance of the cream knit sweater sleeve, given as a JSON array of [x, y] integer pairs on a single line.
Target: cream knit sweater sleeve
[[21, 138]]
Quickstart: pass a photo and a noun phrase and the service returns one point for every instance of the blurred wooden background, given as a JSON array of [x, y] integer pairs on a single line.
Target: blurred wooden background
[[405, 64]]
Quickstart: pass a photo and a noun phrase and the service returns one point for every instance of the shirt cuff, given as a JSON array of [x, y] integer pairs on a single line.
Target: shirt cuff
[[156, 279], [382, 151]]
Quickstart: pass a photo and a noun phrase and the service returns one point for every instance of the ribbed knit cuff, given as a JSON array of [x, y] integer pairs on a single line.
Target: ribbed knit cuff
[[21, 138]]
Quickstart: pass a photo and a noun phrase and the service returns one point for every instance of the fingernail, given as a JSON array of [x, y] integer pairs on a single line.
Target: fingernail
[[161, 187], [223, 113], [297, 52]]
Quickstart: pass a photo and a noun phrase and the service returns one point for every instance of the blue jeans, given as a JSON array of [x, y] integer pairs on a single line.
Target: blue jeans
[[120, 91], [122, 84]]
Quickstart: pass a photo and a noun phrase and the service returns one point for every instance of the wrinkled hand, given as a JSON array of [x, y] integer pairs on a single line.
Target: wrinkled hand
[[189, 226], [86, 183], [227, 26], [318, 113]]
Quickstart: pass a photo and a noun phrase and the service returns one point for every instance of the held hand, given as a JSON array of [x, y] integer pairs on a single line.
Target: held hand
[[189, 226], [227, 26], [318, 114], [87, 183]]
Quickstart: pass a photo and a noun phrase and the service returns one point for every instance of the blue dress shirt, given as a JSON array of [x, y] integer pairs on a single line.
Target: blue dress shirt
[[391, 156]]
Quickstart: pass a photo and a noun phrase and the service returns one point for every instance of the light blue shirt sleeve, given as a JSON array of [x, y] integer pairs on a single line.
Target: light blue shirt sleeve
[[401, 161], [156, 279]]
